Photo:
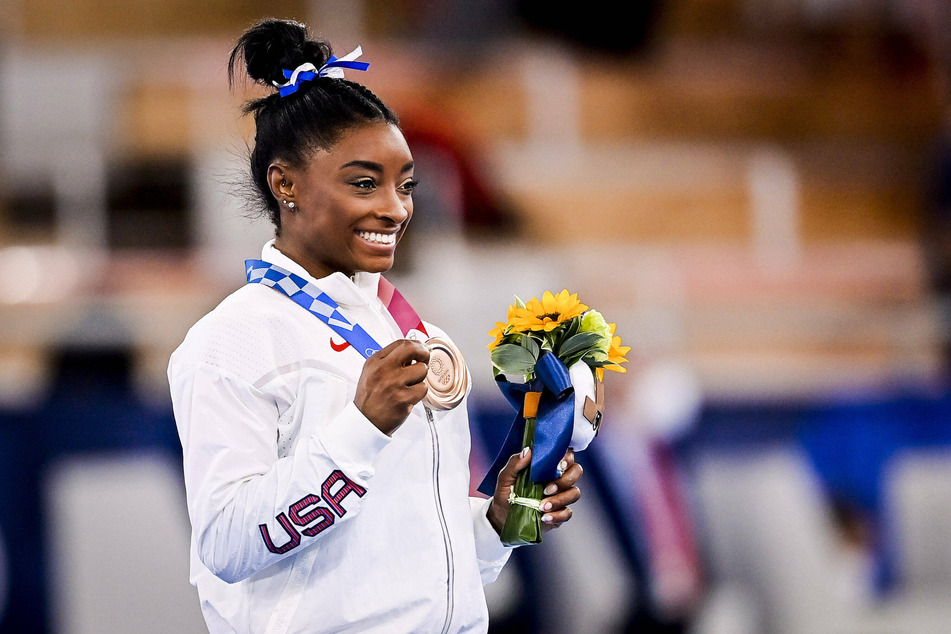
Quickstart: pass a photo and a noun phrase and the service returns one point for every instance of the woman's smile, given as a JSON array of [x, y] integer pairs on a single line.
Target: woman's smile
[[375, 238]]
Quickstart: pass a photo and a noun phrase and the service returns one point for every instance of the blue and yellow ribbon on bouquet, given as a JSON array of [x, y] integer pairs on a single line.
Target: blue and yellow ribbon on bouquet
[[544, 421]]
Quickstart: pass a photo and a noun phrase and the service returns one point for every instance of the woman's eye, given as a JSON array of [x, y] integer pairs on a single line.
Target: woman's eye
[[409, 186], [364, 183]]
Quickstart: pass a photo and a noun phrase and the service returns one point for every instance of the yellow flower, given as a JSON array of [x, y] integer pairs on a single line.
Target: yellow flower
[[498, 332], [546, 314], [501, 330], [616, 355]]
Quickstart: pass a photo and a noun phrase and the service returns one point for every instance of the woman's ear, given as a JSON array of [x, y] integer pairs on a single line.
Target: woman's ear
[[280, 179]]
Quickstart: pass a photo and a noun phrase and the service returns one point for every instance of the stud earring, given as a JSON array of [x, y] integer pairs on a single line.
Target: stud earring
[[291, 204], [284, 201]]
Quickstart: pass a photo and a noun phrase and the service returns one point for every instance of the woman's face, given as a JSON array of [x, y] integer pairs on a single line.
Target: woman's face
[[351, 203]]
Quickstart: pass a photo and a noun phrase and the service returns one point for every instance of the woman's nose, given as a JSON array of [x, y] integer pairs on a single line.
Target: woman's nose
[[396, 208]]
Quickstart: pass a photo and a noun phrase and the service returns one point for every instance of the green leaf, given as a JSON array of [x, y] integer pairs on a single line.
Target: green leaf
[[581, 342], [511, 358], [518, 302], [596, 358], [572, 328], [595, 363], [570, 360], [523, 526], [531, 345]]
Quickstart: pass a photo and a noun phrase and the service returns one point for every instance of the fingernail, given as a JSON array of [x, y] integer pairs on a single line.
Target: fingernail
[[524, 453], [546, 506], [547, 519], [550, 489], [563, 466]]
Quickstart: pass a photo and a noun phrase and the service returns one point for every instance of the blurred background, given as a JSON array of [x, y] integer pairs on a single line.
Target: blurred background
[[758, 192]]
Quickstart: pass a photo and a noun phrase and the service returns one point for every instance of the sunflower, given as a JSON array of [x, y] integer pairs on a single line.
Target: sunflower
[[501, 329], [616, 355], [499, 333], [546, 314]]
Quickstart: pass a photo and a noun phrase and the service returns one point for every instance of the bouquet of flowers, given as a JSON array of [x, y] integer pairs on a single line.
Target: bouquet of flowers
[[542, 356]]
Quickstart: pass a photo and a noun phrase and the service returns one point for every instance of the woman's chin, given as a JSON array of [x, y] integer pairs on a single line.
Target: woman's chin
[[376, 265]]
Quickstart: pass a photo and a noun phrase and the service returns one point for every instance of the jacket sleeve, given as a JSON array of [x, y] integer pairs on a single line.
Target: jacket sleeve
[[490, 551], [249, 507]]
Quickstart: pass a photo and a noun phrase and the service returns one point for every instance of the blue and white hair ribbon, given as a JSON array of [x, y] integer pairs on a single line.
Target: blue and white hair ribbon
[[308, 72]]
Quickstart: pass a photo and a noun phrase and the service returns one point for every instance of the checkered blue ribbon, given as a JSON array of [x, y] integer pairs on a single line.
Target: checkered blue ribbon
[[312, 299]]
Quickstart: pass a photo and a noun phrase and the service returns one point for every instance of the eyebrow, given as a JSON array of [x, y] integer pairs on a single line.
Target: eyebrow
[[374, 166]]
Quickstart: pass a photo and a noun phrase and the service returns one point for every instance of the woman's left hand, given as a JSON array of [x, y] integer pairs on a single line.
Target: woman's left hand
[[559, 493]]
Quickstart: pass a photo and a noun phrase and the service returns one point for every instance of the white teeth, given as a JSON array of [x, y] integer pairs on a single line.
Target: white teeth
[[379, 238]]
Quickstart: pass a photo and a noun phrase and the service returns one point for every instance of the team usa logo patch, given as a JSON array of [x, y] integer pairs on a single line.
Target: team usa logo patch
[[308, 516]]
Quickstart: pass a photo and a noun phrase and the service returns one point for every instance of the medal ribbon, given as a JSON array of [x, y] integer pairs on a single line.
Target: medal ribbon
[[400, 309], [321, 305]]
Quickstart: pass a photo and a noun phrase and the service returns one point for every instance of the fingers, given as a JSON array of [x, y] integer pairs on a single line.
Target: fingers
[[403, 352], [555, 518], [567, 480], [561, 493], [499, 508], [392, 382], [556, 509], [416, 351], [516, 462], [414, 374], [403, 349], [408, 358]]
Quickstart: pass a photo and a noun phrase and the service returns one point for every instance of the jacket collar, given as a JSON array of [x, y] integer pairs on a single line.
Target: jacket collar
[[359, 291]]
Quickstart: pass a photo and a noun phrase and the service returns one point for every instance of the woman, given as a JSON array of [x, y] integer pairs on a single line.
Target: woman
[[323, 494]]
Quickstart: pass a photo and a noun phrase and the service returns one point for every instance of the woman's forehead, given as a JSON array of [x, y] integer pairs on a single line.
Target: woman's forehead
[[374, 142]]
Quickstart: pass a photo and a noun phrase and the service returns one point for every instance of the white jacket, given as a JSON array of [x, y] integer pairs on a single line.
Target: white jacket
[[305, 517]]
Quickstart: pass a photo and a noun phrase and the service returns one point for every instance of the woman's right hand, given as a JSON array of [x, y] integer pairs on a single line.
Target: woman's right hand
[[391, 383]]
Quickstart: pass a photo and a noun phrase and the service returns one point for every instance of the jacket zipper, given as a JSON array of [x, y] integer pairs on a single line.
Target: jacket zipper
[[447, 541]]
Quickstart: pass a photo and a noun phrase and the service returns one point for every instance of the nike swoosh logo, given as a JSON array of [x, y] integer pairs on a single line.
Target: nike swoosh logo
[[339, 347]]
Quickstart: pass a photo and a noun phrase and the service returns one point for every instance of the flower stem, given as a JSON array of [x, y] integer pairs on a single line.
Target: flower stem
[[523, 524]]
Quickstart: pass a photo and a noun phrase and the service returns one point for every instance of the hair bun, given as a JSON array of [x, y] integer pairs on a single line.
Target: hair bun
[[272, 45]]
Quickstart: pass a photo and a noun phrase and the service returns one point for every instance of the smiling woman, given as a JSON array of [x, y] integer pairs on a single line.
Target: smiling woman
[[352, 202], [326, 460]]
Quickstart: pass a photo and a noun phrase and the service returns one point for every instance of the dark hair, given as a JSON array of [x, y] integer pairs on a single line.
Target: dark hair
[[313, 118]]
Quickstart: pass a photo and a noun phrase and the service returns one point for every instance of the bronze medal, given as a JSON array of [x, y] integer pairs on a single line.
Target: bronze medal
[[447, 378]]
